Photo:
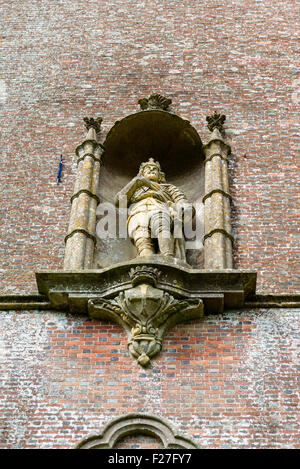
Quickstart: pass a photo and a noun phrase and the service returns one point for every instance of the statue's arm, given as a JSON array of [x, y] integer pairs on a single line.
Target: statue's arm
[[180, 200], [176, 194], [128, 191]]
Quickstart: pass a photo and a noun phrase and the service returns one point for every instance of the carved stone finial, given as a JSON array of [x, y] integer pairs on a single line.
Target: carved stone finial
[[216, 121], [90, 122], [155, 101]]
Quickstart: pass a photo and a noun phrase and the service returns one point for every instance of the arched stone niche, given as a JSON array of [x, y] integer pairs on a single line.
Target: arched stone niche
[[149, 293], [137, 424], [171, 140]]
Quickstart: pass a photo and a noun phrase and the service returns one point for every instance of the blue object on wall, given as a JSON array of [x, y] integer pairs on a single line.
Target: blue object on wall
[[59, 169]]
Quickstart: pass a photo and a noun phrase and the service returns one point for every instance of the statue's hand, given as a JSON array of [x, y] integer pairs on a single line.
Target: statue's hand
[[142, 181], [155, 186], [188, 212], [138, 181], [185, 211]]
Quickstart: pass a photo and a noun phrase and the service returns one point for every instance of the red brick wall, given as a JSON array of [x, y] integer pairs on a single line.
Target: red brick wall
[[67, 59], [227, 381]]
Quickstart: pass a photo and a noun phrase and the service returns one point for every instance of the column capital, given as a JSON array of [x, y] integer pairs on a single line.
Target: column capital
[[90, 144], [91, 148], [216, 144]]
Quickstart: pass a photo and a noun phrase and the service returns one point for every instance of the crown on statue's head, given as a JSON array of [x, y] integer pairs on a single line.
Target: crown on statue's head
[[152, 162]]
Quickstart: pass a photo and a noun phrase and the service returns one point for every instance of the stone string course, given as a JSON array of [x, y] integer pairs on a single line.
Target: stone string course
[[226, 381], [236, 57]]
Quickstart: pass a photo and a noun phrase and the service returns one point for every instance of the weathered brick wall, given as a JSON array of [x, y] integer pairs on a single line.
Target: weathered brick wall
[[67, 59], [228, 381]]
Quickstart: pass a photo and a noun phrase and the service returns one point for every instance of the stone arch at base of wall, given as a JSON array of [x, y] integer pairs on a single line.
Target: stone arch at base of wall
[[134, 424]]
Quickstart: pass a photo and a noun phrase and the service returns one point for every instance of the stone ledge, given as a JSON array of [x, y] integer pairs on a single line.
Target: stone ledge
[[26, 302], [219, 289], [273, 301]]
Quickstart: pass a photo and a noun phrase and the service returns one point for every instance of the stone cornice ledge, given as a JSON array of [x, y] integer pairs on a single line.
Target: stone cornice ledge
[[40, 302], [219, 289], [24, 302], [273, 301]]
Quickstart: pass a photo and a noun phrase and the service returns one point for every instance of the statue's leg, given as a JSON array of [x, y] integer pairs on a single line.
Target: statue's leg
[[161, 228], [139, 233], [143, 242], [144, 247]]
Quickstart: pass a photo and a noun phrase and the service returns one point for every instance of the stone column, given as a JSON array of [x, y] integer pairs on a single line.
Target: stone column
[[217, 225], [81, 238]]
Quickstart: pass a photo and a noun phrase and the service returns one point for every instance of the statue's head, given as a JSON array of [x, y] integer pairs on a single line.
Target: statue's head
[[151, 170]]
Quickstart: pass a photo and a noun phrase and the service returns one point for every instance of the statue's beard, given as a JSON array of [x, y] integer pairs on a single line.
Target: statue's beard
[[153, 178]]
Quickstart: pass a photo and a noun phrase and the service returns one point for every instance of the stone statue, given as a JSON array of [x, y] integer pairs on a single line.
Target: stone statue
[[155, 221]]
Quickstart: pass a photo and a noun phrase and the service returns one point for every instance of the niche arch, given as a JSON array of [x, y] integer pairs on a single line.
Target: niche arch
[[169, 139], [133, 424]]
